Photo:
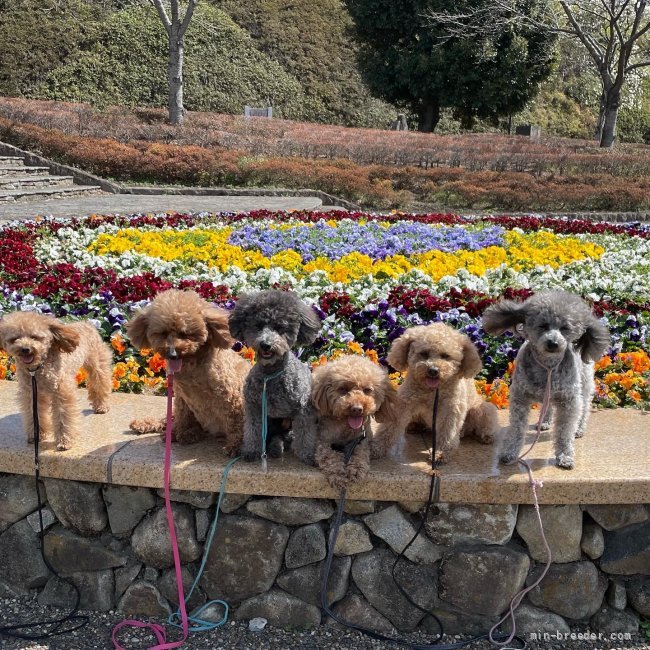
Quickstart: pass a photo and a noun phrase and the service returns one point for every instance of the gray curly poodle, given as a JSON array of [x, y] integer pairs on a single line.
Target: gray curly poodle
[[562, 335], [273, 322]]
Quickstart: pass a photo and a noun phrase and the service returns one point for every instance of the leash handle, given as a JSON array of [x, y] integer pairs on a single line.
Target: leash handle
[[158, 630]]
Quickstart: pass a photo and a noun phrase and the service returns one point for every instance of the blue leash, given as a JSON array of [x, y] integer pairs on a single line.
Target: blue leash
[[265, 423], [198, 624]]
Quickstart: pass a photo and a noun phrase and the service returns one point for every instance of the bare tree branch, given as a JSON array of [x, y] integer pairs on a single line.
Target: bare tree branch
[[160, 8]]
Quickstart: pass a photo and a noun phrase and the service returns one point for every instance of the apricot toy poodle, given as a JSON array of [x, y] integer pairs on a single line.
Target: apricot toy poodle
[[55, 351], [437, 358], [208, 389], [348, 393]]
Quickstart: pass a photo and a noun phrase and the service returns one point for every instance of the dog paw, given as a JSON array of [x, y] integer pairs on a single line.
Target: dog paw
[[565, 461], [356, 474], [102, 408], [579, 433], [337, 481], [507, 458], [61, 446], [545, 426], [485, 438]]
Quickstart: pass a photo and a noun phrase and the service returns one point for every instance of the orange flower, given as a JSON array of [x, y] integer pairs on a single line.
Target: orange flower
[[3, 372], [81, 376], [638, 361], [118, 343], [603, 363], [248, 354], [116, 384], [119, 371], [157, 363], [634, 395], [511, 368], [372, 355]]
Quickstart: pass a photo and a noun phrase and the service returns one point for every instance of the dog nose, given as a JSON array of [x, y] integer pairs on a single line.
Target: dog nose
[[356, 410], [172, 354], [432, 372], [25, 350], [551, 346], [265, 347]]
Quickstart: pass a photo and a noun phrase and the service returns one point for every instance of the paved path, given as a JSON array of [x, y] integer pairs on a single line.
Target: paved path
[[131, 203]]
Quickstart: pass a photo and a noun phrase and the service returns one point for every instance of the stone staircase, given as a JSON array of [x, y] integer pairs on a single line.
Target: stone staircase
[[20, 182]]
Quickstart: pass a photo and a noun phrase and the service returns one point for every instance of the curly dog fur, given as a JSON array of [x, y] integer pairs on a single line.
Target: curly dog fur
[[208, 389], [347, 393], [56, 351], [273, 322], [561, 333], [438, 357]]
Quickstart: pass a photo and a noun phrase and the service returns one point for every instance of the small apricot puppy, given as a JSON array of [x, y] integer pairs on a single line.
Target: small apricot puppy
[[208, 400], [347, 393], [55, 351], [437, 357]]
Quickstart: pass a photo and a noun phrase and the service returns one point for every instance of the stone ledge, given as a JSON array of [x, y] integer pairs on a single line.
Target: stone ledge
[[611, 464]]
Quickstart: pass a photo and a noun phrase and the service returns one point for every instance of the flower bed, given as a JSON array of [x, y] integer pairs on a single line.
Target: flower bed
[[369, 277]]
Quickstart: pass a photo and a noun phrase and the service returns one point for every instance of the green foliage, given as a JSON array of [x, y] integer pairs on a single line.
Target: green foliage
[[407, 60], [312, 41], [127, 65], [36, 35]]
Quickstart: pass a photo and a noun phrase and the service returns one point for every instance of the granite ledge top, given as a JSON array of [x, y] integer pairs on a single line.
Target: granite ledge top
[[611, 462]]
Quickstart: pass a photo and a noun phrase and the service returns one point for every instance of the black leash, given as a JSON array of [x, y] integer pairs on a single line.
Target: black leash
[[12, 630], [434, 497]]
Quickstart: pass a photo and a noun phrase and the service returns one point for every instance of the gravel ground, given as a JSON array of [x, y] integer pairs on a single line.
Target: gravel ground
[[236, 636]]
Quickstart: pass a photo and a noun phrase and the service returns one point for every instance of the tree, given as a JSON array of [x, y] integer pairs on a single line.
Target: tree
[[176, 26], [406, 59], [614, 33]]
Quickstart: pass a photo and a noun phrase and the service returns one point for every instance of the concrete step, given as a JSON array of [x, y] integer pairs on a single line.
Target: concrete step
[[42, 193], [17, 182], [11, 161], [6, 170]]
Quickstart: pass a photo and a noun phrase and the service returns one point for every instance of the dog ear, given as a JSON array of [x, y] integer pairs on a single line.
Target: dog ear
[[239, 316], [593, 343], [389, 409], [216, 321], [136, 329], [398, 354], [66, 337], [505, 315], [319, 386], [471, 364], [309, 325]]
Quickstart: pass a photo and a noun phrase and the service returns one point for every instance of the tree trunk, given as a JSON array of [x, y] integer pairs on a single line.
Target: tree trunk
[[609, 105], [175, 73], [429, 115]]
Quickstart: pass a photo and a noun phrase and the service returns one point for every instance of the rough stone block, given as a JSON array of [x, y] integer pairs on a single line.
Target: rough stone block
[[305, 582], [638, 594], [358, 611], [562, 529], [143, 599], [281, 609], [232, 502], [627, 550], [574, 590], [372, 573], [616, 595], [21, 565], [352, 507], [592, 542], [260, 542], [613, 517], [79, 506], [306, 546], [291, 511], [397, 531], [126, 506], [353, 538], [17, 498], [483, 580], [96, 588], [612, 621], [193, 497], [457, 523], [151, 542]]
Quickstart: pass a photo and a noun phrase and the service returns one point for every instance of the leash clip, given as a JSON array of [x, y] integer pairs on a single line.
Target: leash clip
[[265, 467]]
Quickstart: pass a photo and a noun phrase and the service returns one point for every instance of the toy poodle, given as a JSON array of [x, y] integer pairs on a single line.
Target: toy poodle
[[55, 351], [208, 389], [273, 322], [347, 393], [437, 357], [563, 336]]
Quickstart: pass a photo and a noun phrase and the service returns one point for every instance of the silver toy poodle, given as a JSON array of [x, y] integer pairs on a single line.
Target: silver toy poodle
[[437, 357], [274, 322], [564, 337]]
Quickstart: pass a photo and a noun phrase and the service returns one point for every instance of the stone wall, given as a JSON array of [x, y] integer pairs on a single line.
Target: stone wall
[[267, 558]]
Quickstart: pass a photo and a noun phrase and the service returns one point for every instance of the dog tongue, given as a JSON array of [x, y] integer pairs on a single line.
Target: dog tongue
[[355, 423], [432, 383], [174, 365], [27, 358]]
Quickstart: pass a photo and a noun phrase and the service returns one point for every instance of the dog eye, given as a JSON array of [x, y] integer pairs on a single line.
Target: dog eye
[[445, 356], [543, 326], [368, 390], [424, 355]]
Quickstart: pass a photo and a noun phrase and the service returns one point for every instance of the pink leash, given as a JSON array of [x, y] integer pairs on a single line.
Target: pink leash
[[172, 367], [534, 484]]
